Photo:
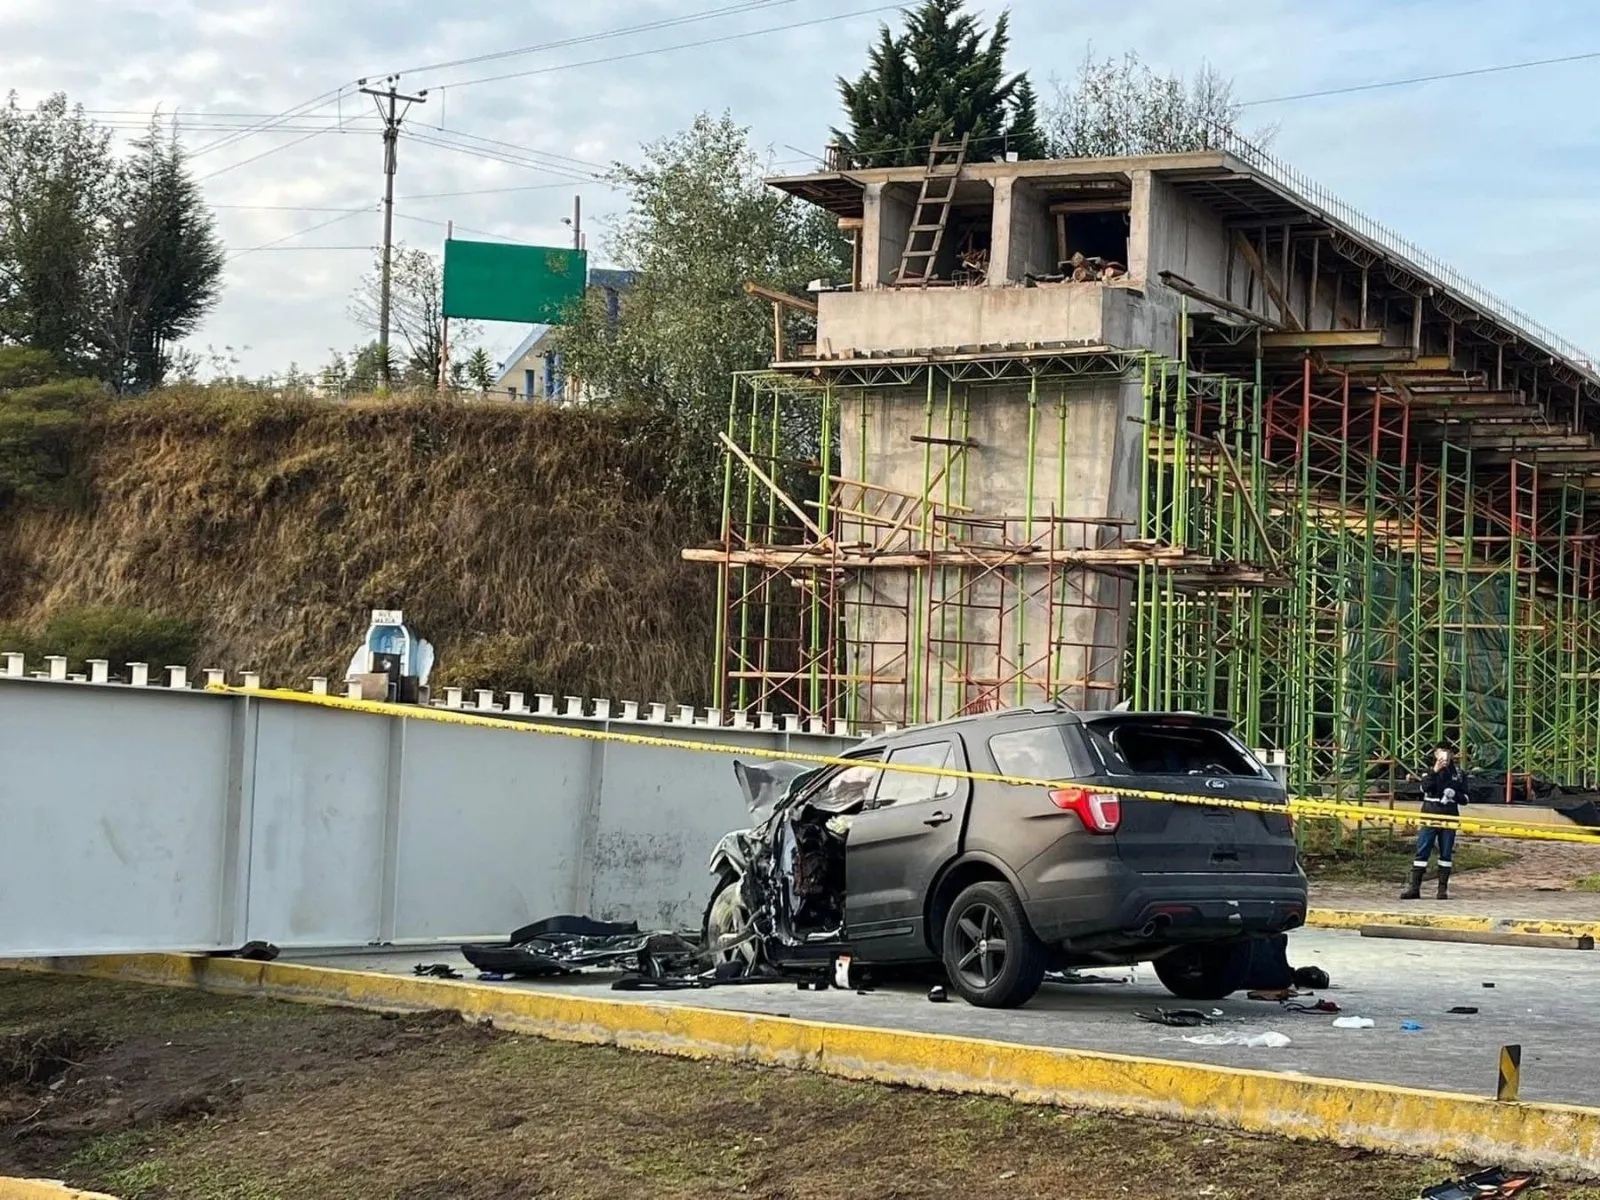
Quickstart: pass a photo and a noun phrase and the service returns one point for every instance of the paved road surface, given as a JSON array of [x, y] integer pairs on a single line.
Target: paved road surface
[[1547, 1000]]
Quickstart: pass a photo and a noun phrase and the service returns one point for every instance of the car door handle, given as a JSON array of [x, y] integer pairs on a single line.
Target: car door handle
[[938, 818]]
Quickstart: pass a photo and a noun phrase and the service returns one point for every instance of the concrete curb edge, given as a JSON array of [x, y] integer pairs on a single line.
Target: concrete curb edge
[[12, 1188], [1558, 1138], [1339, 918]]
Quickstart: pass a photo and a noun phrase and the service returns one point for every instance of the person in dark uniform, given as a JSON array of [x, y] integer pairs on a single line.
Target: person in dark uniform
[[1444, 791]]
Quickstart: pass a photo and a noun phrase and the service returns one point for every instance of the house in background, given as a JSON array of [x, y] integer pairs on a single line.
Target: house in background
[[534, 369]]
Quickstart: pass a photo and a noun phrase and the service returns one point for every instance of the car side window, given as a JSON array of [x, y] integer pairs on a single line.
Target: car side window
[[1038, 753], [848, 787], [913, 787]]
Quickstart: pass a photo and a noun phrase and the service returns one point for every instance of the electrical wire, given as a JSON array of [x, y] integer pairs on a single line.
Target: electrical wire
[[730, 37], [299, 233], [457, 133], [464, 228], [255, 157], [646, 27], [1391, 83], [490, 155], [299, 110], [530, 187]]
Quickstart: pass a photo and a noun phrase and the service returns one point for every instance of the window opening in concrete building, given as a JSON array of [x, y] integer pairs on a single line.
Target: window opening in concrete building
[[1100, 237]]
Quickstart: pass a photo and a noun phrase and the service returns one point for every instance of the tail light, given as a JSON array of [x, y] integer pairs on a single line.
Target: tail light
[[1099, 812]]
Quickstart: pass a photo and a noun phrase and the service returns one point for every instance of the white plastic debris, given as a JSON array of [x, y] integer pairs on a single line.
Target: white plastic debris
[[1262, 1041], [1353, 1022]]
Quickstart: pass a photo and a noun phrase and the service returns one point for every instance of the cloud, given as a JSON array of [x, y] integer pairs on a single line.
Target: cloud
[[1491, 174]]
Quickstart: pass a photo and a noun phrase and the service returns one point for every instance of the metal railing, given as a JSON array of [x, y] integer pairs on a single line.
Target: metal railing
[[1332, 207]]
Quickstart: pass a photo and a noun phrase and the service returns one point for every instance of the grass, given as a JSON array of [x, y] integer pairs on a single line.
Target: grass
[[539, 549], [346, 1105], [1588, 883], [1333, 853]]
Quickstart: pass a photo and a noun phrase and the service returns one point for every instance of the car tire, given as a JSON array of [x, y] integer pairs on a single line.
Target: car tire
[[1204, 972], [726, 902], [991, 954]]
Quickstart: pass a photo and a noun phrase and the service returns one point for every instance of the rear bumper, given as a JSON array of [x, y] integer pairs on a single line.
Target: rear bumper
[[1122, 909]]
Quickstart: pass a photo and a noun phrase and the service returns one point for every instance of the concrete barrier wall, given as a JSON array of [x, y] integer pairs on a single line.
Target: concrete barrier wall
[[144, 818]]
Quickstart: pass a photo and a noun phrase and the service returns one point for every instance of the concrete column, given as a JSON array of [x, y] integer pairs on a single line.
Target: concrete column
[[1022, 240], [1140, 221], [252, 680], [574, 706], [319, 685], [485, 699], [139, 674], [545, 704], [516, 703], [58, 666], [99, 670], [15, 665], [177, 677], [658, 713], [602, 710], [216, 677], [630, 710], [686, 714], [452, 697], [885, 227], [766, 721]]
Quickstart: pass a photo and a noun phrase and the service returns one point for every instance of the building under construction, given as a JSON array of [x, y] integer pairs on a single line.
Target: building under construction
[[1183, 431]]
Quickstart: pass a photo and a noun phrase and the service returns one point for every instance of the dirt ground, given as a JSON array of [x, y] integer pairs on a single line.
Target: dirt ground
[[146, 1092], [1531, 879]]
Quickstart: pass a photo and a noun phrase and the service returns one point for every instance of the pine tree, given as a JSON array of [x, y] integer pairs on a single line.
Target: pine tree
[[480, 369], [939, 76]]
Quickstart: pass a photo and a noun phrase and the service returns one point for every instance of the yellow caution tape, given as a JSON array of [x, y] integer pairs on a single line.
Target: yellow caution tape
[[1301, 806]]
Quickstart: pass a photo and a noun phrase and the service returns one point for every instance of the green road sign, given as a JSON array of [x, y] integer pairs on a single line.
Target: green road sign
[[496, 281]]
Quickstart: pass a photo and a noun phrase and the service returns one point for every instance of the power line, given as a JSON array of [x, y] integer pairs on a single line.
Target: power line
[[731, 37], [293, 208], [494, 155], [465, 228], [646, 27], [298, 233], [299, 110], [254, 157], [530, 187], [582, 162], [1392, 83]]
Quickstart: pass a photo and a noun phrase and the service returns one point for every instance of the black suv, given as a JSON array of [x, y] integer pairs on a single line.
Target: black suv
[[1005, 882]]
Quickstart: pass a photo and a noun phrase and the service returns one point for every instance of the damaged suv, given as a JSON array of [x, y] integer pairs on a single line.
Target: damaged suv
[[1002, 883]]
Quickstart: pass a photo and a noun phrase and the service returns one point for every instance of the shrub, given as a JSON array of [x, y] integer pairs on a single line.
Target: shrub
[[120, 635], [42, 428]]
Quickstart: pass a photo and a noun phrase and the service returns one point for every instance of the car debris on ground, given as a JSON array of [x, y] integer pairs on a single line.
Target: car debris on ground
[[1493, 1184], [566, 944]]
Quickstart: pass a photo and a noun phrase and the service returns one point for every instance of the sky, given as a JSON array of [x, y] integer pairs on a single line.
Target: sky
[[1494, 174]]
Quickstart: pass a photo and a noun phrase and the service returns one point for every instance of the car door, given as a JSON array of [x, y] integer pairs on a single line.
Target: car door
[[898, 843]]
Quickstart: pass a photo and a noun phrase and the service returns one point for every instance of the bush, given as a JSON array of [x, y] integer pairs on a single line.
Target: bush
[[119, 635], [41, 438]]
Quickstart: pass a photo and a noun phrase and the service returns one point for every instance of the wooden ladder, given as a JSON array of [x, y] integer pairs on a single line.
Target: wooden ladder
[[932, 213]]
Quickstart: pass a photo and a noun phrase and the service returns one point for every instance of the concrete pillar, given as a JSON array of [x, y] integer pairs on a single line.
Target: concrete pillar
[[766, 721], [252, 680], [177, 677], [485, 699], [602, 709], [885, 227], [841, 727], [791, 723], [1140, 221], [515, 702], [630, 710], [741, 719], [352, 690], [16, 664], [658, 712], [139, 674], [216, 677], [714, 718], [452, 697], [546, 704], [574, 706], [58, 666], [319, 685], [1023, 237], [686, 714], [99, 670]]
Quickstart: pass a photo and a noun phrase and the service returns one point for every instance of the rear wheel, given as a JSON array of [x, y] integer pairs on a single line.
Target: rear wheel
[[991, 953], [725, 920], [1204, 972]]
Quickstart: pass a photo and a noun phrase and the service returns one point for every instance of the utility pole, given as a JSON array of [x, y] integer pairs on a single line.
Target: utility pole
[[444, 325], [391, 118], [577, 222]]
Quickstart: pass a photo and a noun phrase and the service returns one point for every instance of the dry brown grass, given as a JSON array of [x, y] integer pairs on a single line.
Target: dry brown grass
[[537, 548]]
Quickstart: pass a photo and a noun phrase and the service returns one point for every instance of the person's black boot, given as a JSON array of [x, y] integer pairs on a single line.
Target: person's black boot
[[1444, 883], [1414, 888]]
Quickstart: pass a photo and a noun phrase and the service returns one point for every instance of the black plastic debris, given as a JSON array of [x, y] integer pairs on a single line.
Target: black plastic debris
[[565, 944], [1485, 1185], [436, 971], [938, 995], [1178, 1018], [1311, 979], [1465, 1010], [250, 951]]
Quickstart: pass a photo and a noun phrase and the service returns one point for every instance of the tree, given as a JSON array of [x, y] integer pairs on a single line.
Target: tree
[[480, 369], [699, 223], [938, 77], [1123, 107], [161, 264], [416, 311], [54, 163]]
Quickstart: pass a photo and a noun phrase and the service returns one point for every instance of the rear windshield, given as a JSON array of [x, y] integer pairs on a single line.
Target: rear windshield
[[1159, 748], [1038, 753]]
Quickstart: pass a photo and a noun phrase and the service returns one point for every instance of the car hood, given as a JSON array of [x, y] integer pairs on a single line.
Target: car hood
[[765, 784]]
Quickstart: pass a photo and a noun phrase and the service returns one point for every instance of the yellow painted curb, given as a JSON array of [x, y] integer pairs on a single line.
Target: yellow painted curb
[[1341, 918], [44, 1189], [1559, 1138]]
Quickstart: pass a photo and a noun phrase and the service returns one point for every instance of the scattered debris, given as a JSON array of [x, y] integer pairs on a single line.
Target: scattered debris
[[1312, 979], [492, 977], [565, 944], [1268, 1041], [1184, 1018], [1354, 1023], [1465, 1010], [436, 970], [1485, 1185], [1273, 995], [256, 951], [1411, 1026], [938, 995], [1488, 985], [1320, 1006]]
